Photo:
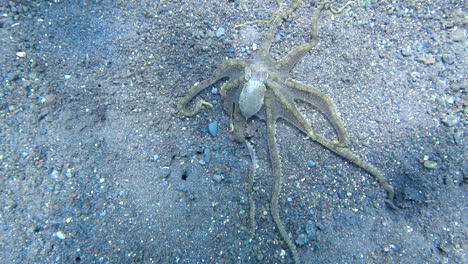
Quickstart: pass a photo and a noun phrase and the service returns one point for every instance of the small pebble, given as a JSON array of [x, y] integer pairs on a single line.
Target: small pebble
[[340, 194], [207, 155], [302, 240], [430, 164], [54, 174], [406, 51], [458, 34], [213, 128], [427, 59], [21, 54], [217, 177], [448, 59], [60, 235], [155, 158], [254, 46], [260, 257], [450, 120], [219, 32], [214, 90], [311, 163], [450, 99], [11, 76], [202, 162]]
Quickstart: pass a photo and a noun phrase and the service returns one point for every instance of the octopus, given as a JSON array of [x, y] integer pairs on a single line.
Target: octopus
[[261, 88]]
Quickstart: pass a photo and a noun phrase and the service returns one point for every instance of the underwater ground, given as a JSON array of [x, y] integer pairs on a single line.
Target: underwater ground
[[98, 166]]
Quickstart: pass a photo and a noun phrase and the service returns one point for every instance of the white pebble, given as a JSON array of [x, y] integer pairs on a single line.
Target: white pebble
[[254, 46], [21, 54], [60, 235]]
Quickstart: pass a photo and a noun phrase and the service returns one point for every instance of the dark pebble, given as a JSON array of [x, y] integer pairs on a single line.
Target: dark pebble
[[213, 128]]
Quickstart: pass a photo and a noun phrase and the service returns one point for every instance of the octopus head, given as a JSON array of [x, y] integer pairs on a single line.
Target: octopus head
[[252, 96]]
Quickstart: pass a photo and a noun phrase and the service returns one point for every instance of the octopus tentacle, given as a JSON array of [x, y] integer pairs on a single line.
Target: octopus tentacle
[[276, 165], [229, 69]]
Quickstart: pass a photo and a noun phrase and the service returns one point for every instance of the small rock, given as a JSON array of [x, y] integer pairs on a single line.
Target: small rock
[[448, 59], [390, 248], [60, 235], [11, 76], [213, 128], [458, 34], [449, 99], [450, 120], [218, 177], [254, 46], [302, 240], [21, 54], [340, 194], [260, 257], [155, 158], [202, 162], [219, 32], [427, 59], [406, 51], [214, 90], [430, 164], [311, 163], [10, 204], [415, 76], [54, 174], [207, 155]]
